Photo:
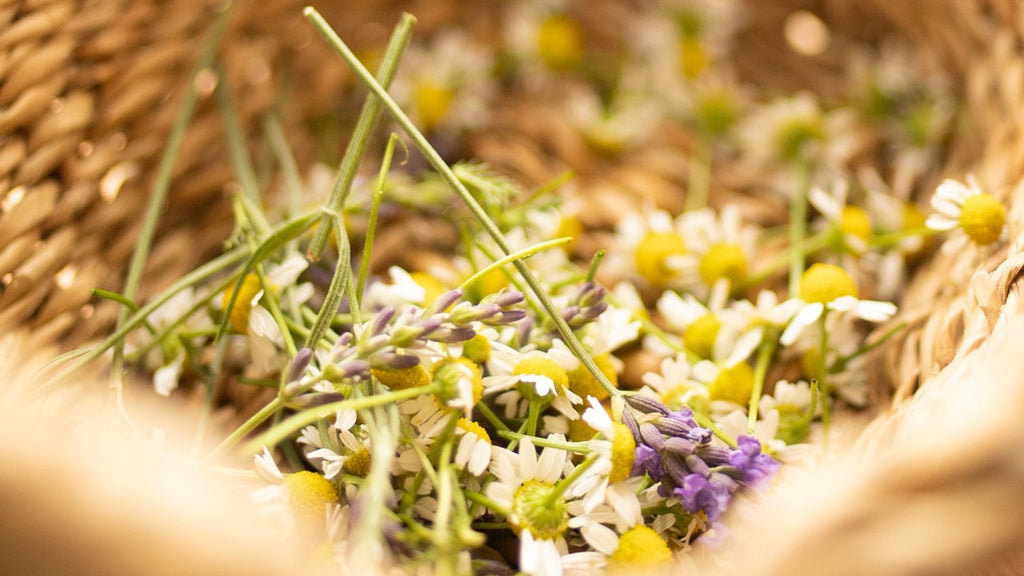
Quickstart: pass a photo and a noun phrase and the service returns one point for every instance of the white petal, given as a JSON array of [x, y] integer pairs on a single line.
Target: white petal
[[527, 460], [480, 459], [940, 222], [624, 501], [597, 417], [804, 318], [601, 538], [165, 379], [875, 311], [549, 467]]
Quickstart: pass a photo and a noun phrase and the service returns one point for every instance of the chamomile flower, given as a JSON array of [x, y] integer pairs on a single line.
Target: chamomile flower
[[980, 216], [615, 449], [720, 250], [648, 247], [545, 38], [526, 486], [711, 332], [342, 450], [303, 500], [826, 288], [540, 375], [445, 84], [851, 224]]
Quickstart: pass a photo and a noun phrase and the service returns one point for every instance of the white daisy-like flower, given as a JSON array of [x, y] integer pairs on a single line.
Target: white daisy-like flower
[[546, 40], [829, 288], [547, 373], [965, 206], [719, 250], [401, 292], [852, 223], [333, 455], [524, 484], [445, 84], [648, 245], [614, 450]]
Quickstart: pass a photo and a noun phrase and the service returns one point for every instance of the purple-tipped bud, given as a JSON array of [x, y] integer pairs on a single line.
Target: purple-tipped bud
[[652, 437], [442, 302], [523, 331], [505, 299], [674, 468], [679, 445], [380, 321], [406, 336], [393, 361], [634, 428], [647, 460], [697, 466], [452, 334], [591, 313], [591, 293], [714, 456], [297, 367], [570, 312], [317, 399], [506, 317], [672, 427], [647, 404], [467, 314]]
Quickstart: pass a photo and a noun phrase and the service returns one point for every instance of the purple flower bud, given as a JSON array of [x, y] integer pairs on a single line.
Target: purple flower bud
[[317, 399], [505, 299], [591, 293], [646, 403], [393, 361], [679, 445], [505, 317], [630, 422], [442, 302], [570, 312], [380, 321], [523, 331], [675, 469], [697, 466], [714, 456], [652, 437], [299, 363], [452, 334]]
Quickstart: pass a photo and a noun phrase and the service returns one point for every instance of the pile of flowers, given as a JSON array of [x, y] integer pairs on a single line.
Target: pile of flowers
[[523, 405]]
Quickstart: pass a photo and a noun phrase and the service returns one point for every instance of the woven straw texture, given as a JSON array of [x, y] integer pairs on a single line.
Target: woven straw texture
[[89, 90]]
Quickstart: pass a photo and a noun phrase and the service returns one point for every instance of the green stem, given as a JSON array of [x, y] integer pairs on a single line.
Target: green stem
[[342, 274], [595, 262], [764, 357], [520, 255], [577, 447], [158, 196], [368, 118], [371, 231], [446, 173], [300, 419]]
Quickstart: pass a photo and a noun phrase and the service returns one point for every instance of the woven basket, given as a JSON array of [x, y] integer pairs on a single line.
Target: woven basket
[[89, 90]]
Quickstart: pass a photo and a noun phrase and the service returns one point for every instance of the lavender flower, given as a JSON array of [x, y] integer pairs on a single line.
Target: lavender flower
[[756, 468]]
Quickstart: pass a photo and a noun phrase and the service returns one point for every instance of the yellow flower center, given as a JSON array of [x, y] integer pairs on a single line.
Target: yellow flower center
[[402, 378], [699, 337], [309, 494], [855, 222], [652, 252], [982, 217], [432, 287], [432, 103], [471, 427], [583, 383], [674, 397], [477, 349], [691, 57], [540, 366], [358, 464], [560, 42], [733, 384], [826, 282], [239, 315], [623, 453], [723, 261], [640, 547], [534, 509]]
